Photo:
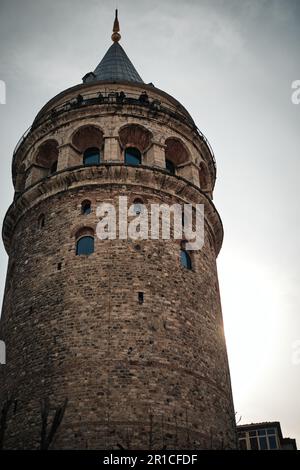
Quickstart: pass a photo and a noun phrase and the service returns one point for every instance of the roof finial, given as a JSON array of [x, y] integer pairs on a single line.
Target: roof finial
[[116, 36]]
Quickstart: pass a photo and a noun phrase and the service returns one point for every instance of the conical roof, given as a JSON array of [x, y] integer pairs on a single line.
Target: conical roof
[[116, 66]]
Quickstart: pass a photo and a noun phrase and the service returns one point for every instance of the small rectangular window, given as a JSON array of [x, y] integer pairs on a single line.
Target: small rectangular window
[[263, 443], [243, 444], [272, 442], [141, 297], [254, 443]]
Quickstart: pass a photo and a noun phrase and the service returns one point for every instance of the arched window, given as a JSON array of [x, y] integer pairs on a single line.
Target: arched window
[[41, 221], [185, 259], [91, 156], [176, 151], [133, 156], [138, 206], [86, 207], [85, 245], [47, 158], [170, 167]]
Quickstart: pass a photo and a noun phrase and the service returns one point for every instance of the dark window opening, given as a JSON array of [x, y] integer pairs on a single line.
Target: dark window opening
[[141, 297], [242, 444], [41, 221], [133, 156], [86, 207], [170, 167], [91, 156], [254, 443], [185, 259], [85, 246], [263, 443], [272, 442], [59, 267], [138, 206], [53, 168]]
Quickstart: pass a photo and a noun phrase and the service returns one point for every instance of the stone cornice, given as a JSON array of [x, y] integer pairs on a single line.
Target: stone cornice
[[108, 174]]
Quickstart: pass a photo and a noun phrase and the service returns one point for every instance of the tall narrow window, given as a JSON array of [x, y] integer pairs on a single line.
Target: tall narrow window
[[91, 156], [86, 207], [85, 246], [138, 206], [133, 156], [41, 221], [170, 167], [185, 259]]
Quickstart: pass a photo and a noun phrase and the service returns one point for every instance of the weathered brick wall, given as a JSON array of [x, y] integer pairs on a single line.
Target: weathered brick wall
[[140, 375]]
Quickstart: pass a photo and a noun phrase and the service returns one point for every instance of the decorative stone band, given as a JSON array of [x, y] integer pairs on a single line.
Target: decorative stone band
[[107, 174]]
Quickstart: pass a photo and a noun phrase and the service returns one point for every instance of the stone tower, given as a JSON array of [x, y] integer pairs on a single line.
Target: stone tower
[[129, 331]]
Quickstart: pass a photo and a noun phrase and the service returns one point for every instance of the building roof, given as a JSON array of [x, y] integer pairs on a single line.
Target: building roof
[[115, 65]]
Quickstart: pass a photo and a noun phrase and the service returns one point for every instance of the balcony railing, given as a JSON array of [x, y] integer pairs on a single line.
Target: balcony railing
[[117, 99]]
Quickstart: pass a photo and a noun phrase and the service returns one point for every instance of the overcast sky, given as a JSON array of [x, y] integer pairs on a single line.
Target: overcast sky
[[231, 63]]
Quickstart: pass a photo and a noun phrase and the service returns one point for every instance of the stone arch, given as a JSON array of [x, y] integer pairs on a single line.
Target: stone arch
[[83, 231], [85, 241], [47, 156], [80, 230], [176, 151], [87, 136], [135, 135]]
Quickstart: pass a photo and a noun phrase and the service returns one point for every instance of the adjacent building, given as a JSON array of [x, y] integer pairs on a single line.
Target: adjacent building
[[264, 436]]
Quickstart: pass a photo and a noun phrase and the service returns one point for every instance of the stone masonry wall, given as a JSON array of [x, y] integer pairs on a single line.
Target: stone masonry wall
[[78, 331]]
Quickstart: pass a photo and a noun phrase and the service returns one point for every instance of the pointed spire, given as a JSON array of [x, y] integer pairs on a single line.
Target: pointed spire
[[116, 36], [115, 65]]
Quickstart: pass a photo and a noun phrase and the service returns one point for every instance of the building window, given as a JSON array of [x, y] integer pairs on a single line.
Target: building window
[[243, 444], [138, 206], [260, 439], [86, 207], [41, 221], [91, 156], [85, 246], [133, 156], [263, 443], [185, 259], [47, 157], [253, 443], [272, 442], [170, 167]]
